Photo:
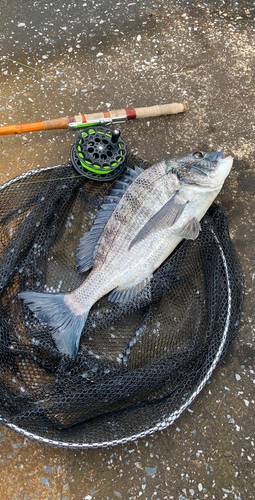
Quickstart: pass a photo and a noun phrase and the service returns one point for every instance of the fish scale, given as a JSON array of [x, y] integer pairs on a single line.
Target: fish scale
[[158, 208]]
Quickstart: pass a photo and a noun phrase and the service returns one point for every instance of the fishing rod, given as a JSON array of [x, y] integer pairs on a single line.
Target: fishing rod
[[104, 118]]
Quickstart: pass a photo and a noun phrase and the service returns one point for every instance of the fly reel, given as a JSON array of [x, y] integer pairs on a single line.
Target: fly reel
[[99, 153]]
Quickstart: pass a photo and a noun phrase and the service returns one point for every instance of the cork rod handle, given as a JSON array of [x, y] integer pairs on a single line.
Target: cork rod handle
[[163, 109]]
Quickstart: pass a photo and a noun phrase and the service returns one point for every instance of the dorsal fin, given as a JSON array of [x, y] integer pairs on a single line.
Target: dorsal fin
[[138, 170], [87, 244]]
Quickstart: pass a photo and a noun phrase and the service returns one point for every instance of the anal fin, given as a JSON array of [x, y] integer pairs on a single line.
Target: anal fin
[[126, 295]]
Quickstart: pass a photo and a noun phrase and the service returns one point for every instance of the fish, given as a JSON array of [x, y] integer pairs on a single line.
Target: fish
[[143, 219]]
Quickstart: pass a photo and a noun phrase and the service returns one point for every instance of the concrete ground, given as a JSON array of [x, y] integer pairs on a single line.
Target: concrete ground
[[89, 55]]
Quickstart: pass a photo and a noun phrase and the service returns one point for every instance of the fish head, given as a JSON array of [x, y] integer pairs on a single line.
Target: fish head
[[204, 169]]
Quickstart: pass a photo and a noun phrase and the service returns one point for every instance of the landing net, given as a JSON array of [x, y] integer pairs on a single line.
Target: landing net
[[139, 365]]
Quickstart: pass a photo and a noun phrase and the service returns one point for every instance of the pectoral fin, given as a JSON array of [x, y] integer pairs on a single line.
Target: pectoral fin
[[165, 217], [190, 230]]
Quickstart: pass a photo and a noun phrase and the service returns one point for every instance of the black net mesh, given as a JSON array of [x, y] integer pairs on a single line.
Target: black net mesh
[[139, 365]]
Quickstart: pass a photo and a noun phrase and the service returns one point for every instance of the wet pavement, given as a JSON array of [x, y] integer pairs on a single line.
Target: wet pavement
[[91, 56]]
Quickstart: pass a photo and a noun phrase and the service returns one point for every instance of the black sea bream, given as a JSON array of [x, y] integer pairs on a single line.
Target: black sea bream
[[163, 205]]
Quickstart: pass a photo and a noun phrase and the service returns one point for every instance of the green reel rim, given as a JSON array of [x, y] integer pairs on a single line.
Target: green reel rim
[[102, 172]]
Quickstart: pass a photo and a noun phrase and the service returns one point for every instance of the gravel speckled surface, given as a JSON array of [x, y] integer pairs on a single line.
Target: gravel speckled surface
[[93, 56]]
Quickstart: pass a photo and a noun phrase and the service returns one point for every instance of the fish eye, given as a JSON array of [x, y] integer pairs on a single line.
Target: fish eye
[[198, 154]]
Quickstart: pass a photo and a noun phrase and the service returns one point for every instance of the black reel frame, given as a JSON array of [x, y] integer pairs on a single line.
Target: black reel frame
[[99, 154]]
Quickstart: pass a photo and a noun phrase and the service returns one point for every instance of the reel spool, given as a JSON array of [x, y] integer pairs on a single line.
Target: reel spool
[[99, 154]]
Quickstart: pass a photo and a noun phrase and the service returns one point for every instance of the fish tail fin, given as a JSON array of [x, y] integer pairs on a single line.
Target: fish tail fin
[[66, 325]]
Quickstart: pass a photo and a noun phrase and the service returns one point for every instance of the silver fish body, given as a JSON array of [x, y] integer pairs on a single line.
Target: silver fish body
[[163, 205]]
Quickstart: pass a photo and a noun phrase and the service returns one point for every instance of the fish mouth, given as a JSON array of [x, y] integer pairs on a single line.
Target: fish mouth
[[220, 156]]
